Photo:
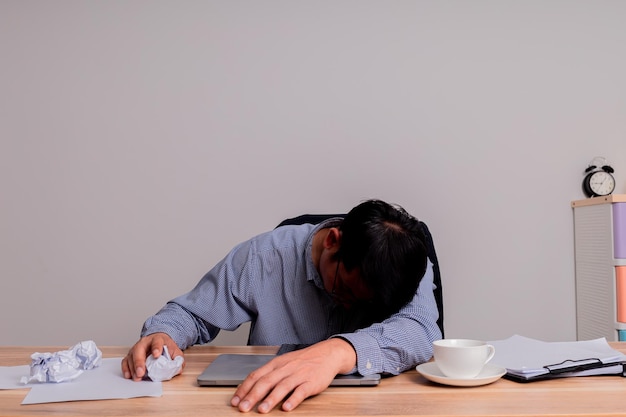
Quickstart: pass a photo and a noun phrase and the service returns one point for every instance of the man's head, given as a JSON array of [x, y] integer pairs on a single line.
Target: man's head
[[386, 246]]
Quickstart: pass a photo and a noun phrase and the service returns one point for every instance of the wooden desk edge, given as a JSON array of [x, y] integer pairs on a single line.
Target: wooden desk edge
[[405, 395]]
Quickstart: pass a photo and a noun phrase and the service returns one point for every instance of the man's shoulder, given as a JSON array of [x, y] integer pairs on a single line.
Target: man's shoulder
[[283, 237], [289, 235]]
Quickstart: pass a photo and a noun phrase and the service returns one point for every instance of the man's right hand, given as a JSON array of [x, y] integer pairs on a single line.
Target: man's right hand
[[134, 364]]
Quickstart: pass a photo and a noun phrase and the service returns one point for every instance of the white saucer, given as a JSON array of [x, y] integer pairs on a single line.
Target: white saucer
[[489, 374]]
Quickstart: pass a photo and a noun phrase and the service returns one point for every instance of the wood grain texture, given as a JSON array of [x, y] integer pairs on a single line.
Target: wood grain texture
[[408, 394]]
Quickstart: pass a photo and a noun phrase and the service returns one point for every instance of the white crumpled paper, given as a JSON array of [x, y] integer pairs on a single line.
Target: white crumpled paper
[[164, 367], [64, 365]]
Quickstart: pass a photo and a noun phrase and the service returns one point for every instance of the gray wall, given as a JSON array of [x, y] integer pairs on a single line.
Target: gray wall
[[141, 140]]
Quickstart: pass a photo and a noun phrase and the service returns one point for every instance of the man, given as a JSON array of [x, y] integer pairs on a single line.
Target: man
[[359, 290]]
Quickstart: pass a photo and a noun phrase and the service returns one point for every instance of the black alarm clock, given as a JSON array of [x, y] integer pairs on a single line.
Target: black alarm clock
[[599, 180]]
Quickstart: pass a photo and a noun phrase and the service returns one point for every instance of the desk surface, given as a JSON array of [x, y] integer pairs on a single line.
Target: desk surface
[[408, 394]]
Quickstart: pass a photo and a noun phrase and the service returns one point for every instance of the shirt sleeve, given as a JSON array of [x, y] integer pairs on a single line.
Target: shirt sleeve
[[217, 302], [402, 341]]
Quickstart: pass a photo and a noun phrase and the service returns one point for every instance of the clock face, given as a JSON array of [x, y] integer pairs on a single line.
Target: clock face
[[601, 183]]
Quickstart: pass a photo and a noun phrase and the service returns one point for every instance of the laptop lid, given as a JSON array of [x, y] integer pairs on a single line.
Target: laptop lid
[[231, 369]]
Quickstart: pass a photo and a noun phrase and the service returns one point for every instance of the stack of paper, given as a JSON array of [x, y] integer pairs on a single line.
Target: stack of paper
[[101, 383], [528, 359]]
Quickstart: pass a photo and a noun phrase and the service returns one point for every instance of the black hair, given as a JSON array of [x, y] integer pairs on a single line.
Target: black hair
[[386, 245]]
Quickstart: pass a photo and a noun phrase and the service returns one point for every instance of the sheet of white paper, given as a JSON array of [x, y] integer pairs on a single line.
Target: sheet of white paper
[[523, 355], [102, 383], [10, 376]]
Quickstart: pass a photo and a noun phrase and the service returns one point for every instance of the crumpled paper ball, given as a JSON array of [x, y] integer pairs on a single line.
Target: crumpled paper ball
[[164, 367], [64, 365]]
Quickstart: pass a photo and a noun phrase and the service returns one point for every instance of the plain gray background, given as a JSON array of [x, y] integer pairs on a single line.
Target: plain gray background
[[141, 140]]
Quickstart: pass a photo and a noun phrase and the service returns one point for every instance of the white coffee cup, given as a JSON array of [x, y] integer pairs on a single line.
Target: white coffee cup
[[462, 358]]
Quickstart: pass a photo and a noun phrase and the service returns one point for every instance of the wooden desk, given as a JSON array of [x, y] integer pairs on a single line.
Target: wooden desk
[[408, 394]]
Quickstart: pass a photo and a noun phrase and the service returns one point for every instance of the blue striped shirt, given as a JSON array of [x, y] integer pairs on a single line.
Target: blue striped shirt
[[271, 281]]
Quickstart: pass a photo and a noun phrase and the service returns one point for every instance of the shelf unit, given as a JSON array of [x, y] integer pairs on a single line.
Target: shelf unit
[[600, 250]]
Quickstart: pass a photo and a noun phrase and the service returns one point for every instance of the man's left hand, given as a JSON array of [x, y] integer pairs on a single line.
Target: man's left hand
[[302, 373]]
